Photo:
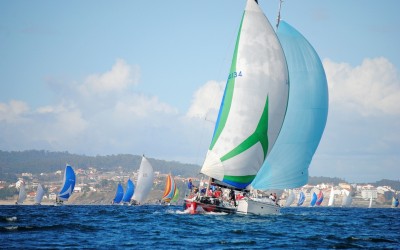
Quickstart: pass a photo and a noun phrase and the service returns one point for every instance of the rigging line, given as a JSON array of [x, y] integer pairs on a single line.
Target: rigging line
[[278, 19]]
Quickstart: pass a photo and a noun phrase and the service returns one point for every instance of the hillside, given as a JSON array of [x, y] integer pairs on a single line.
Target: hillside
[[40, 161]]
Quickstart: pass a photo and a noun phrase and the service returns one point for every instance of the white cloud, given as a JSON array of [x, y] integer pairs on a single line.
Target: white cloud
[[119, 78], [109, 117], [361, 141], [100, 115], [372, 88], [142, 106], [13, 111], [206, 101]]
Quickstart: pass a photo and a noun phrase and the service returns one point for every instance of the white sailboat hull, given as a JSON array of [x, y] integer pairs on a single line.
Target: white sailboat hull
[[257, 207]]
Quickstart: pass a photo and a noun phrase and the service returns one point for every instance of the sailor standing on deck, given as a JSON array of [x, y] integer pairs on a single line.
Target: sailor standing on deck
[[190, 185], [232, 197]]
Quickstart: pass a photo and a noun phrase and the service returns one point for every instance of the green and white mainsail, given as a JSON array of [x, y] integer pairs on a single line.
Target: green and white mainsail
[[254, 103]]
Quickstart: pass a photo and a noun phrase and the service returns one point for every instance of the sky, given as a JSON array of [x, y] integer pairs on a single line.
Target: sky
[[146, 77]]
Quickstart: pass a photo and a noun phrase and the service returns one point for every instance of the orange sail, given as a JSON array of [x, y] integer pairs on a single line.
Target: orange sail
[[170, 188]]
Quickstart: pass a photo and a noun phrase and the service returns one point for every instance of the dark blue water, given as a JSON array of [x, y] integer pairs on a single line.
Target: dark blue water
[[160, 227]]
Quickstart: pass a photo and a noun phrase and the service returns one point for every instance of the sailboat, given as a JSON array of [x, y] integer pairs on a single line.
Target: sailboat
[[39, 195], [331, 200], [301, 199], [176, 196], [347, 199], [118, 194], [169, 191], [290, 198], [287, 164], [313, 199], [320, 198], [21, 194], [395, 202], [145, 181], [370, 202], [251, 113], [68, 185], [130, 189]]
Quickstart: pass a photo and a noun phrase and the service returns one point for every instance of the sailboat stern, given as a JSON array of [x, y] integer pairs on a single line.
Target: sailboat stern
[[257, 207]]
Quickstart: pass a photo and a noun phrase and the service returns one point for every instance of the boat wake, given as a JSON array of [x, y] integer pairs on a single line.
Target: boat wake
[[215, 213], [198, 211], [11, 219]]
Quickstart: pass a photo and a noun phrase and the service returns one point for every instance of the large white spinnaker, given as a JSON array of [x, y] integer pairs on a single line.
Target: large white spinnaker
[[254, 103]]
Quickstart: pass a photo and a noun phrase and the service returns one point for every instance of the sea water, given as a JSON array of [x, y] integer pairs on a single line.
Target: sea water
[[170, 227]]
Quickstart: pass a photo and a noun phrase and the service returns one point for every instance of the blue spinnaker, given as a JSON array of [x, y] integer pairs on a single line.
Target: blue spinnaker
[[119, 194], [130, 188], [287, 164], [68, 184], [314, 199], [301, 200]]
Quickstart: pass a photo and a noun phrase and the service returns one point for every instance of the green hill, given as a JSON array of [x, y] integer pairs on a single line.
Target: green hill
[[40, 161]]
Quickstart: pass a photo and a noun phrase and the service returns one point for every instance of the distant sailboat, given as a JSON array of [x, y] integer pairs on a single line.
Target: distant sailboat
[[331, 198], [145, 181], [118, 194], [68, 185], [176, 196], [395, 202], [302, 198], [370, 202], [313, 199], [320, 198], [347, 199], [130, 189], [39, 195], [290, 198], [21, 194], [169, 191]]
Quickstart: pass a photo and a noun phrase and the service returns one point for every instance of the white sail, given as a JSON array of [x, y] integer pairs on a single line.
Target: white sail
[[347, 199], [290, 198], [39, 194], [370, 202], [331, 198], [22, 194], [145, 181], [253, 105]]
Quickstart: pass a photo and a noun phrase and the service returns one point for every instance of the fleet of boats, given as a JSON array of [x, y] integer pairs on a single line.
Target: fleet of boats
[[266, 133], [171, 193]]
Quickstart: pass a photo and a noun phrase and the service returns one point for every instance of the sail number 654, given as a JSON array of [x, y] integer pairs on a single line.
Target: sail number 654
[[235, 74]]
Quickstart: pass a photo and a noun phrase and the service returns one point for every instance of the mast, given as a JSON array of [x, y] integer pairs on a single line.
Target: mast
[[278, 19]]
